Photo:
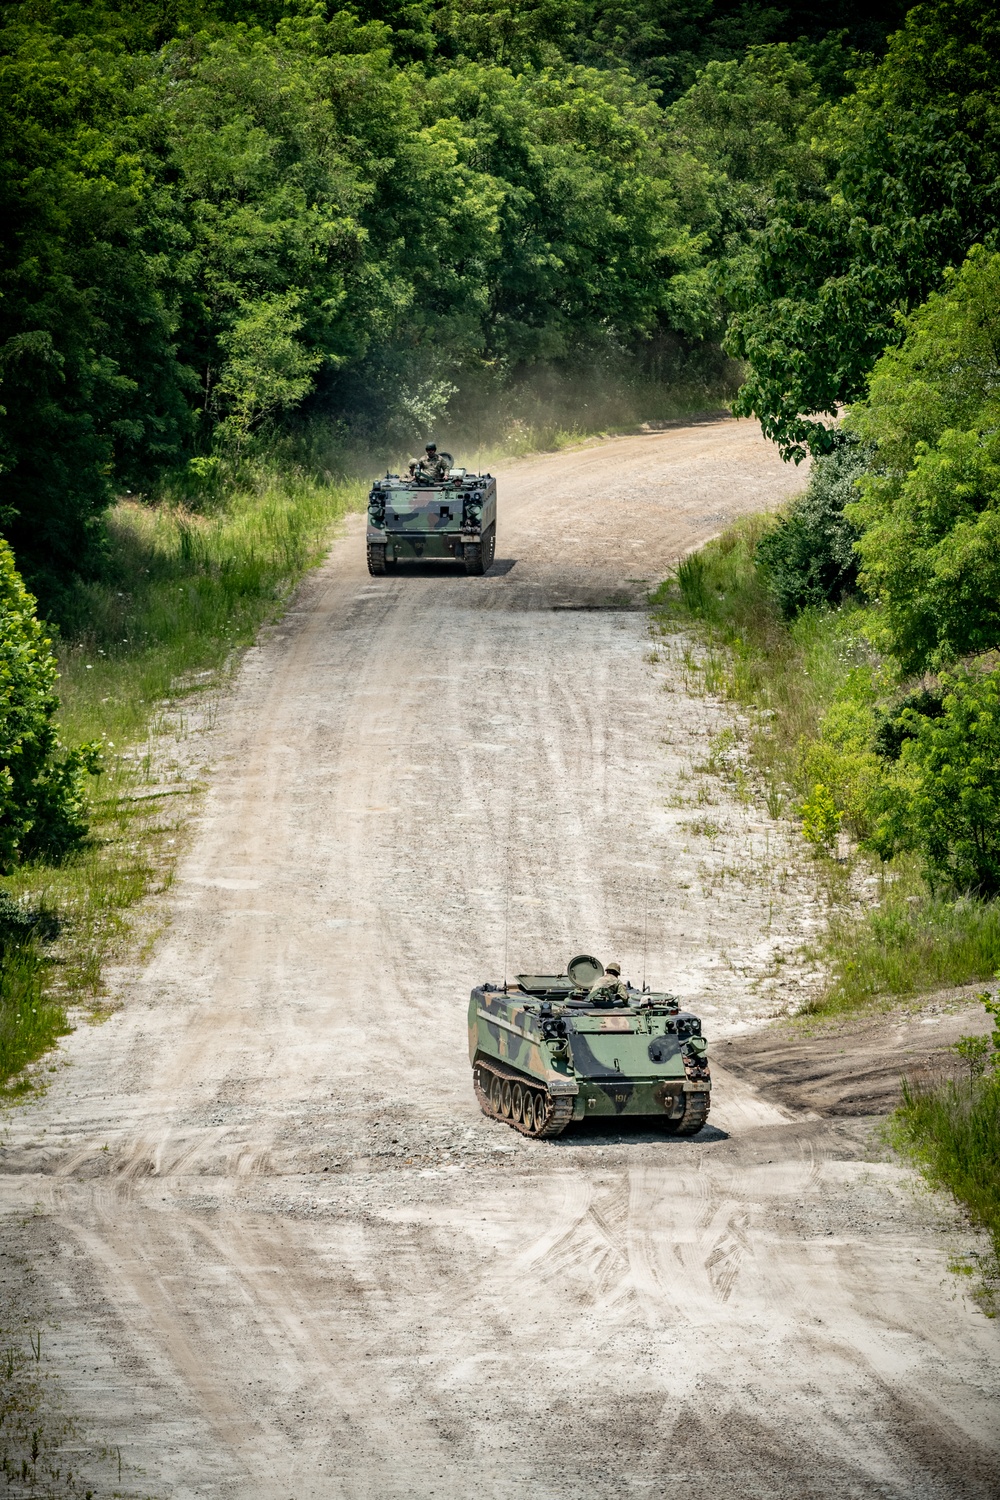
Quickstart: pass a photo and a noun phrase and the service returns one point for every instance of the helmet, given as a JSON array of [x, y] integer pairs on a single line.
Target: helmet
[[430, 448], [613, 968]]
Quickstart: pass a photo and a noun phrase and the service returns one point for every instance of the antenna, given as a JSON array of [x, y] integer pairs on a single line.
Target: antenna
[[645, 928], [506, 914]]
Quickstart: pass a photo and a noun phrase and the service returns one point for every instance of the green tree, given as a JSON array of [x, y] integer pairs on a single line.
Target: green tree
[[591, 247], [947, 796], [265, 368], [270, 147], [911, 179], [42, 806], [752, 121], [929, 509], [89, 383]]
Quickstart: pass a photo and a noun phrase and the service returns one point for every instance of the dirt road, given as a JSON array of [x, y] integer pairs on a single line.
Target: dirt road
[[292, 1259]]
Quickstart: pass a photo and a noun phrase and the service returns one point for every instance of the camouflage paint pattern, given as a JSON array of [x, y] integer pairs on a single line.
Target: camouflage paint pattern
[[431, 520], [634, 1059]]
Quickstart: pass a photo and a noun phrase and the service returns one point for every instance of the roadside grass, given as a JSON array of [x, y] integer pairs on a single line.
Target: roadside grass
[[30, 1020], [186, 587], [951, 1132], [887, 936], [908, 943]]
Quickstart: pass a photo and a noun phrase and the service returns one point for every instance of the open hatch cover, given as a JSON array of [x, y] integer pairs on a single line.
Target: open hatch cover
[[584, 970]]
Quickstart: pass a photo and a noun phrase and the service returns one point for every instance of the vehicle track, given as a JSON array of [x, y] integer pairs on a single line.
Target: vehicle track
[[292, 1258]]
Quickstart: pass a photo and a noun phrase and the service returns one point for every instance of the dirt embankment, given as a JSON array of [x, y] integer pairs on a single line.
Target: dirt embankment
[[853, 1065]]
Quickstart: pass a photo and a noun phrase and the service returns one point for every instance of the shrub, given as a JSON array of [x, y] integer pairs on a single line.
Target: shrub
[[41, 785], [820, 819], [899, 724], [946, 801], [808, 559]]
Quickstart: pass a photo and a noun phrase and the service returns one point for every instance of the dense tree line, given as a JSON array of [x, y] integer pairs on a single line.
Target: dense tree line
[[219, 213]]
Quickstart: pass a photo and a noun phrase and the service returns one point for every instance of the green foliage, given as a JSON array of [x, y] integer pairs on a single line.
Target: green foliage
[[897, 724], [820, 819], [41, 784], [663, 43], [976, 1052], [226, 212], [30, 1019], [821, 710], [952, 1133], [907, 942], [929, 510], [223, 213], [908, 170], [809, 557], [751, 121], [90, 385], [945, 799]]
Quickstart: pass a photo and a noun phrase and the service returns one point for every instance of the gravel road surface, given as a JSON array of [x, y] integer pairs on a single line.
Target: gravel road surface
[[287, 1255]]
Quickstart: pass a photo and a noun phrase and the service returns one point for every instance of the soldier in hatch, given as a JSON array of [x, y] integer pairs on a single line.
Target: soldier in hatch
[[610, 987], [431, 466]]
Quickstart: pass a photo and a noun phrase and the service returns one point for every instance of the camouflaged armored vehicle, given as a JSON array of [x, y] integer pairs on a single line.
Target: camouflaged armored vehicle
[[545, 1052], [415, 516]]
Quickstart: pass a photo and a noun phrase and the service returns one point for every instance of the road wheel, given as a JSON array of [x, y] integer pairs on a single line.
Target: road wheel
[[376, 560], [517, 1103], [505, 1099], [496, 1091], [694, 1116], [532, 1107]]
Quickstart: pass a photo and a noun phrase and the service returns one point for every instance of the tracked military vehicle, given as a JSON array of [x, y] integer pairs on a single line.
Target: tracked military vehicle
[[545, 1051], [416, 516]]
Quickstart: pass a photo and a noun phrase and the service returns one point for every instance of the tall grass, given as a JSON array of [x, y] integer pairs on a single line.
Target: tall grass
[[908, 942], [184, 589], [883, 942], [30, 1019], [952, 1133], [785, 676]]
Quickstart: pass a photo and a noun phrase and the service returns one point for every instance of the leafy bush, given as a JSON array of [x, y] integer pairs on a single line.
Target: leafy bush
[[820, 819], [41, 785], [809, 557], [897, 725], [945, 801]]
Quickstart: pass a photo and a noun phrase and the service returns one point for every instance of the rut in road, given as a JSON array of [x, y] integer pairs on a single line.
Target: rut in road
[[294, 1260]]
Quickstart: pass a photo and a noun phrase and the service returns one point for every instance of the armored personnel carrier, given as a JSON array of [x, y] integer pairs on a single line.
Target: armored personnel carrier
[[545, 1052], [414, 516]]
